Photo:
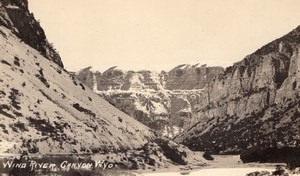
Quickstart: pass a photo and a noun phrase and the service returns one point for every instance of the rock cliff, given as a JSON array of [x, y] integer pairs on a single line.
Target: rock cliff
[[14, 15], [163, 101], [255, 102]]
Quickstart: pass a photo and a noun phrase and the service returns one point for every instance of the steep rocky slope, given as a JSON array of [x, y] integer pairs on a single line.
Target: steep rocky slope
[[162, 101], [254, 103], [45, 109], [14, 15], [42, 107]]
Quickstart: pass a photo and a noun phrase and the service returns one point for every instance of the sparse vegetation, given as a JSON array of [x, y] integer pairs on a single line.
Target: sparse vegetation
[[41, 77], [18, 114], [3, 128], [90, 99], [5, 62], [84, 110], [13, 97], [63, 96], [17, 61], [58, 70], [3, 110], [45, 95], [2, 94], [120, 119], [19, 126], [82, 86]]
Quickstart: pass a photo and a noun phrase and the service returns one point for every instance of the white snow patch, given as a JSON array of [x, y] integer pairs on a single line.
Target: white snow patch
[[187, 92], [95, 88], [187, 109], [160, 83], [171, 131], [136, 82], [140, 107], [181, 66], [12, 7], [177, 130], [158, 108], [156, 79]]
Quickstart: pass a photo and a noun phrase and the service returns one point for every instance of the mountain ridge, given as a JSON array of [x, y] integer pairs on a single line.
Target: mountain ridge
[[253, 103], [161, 100]]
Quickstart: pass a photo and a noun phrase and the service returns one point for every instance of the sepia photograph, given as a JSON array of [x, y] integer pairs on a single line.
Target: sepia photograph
[[149, 88]]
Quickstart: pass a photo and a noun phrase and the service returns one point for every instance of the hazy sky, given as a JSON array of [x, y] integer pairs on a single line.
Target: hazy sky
[[160, 34]]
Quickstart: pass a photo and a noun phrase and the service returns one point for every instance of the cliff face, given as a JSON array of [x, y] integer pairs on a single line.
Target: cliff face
[[187, 77], [162, 101], [14, 15], [255, 102]]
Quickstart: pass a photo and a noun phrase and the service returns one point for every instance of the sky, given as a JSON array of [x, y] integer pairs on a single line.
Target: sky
[[161, 34]]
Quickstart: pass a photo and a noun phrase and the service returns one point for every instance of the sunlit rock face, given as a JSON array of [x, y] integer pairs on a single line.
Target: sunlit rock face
[[163, 101], [255, 102]]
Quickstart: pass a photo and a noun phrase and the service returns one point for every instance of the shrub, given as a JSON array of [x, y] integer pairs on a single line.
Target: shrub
[[81, 109]]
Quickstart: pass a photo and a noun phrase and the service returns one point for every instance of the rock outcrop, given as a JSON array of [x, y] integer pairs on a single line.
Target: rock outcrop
[[14, 15], [289, 155], [162, 101], [160, 153], [189, 77], [255, 102]]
